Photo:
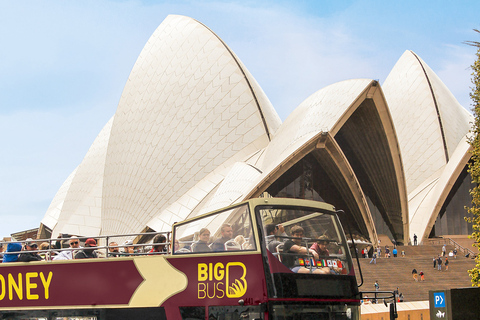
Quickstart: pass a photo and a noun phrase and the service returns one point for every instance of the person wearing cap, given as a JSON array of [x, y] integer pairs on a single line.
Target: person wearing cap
[[129, 249], [27, 255], [87, 252], [320, 247], [68, 254]]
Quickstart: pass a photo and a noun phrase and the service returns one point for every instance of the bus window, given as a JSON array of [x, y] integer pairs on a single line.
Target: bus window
[[313, 312], [235, 313], [305, 240], [228, 230], [192, 313]]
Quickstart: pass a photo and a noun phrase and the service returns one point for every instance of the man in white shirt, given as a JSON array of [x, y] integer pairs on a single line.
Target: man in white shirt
[[67, 254]]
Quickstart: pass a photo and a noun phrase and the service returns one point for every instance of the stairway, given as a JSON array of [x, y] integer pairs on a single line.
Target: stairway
[[397, 272]]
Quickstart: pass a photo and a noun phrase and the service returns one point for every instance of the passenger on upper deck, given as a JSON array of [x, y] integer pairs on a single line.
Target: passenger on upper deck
[[272, 230], [129, 249], [113, 249], [29, 256], [227, 234], [159, 248], [12, 247], [320, 247], [68, 254], [87, 252], [294, 248], [202, 244]]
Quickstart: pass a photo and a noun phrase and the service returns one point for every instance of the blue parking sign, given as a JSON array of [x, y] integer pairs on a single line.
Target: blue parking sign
[[439, 299]]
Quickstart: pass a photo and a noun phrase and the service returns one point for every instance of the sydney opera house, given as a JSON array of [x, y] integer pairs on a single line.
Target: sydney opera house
[[194, 132]]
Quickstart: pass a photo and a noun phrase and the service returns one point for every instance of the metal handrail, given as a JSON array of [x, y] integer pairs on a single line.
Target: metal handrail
[[52, 250], [463, 249]]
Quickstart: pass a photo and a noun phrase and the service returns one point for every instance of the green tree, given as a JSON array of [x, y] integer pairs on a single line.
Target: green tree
[[474, 165]]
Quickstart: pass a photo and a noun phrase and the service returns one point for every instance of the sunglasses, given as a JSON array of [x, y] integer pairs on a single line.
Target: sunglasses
[[76, 242], [33, 246]]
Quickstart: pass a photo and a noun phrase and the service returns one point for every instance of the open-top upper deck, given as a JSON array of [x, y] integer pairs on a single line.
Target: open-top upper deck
[[241, 256]]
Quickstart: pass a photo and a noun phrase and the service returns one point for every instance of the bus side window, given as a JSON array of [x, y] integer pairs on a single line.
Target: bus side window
[[192, 313], [236, 312]]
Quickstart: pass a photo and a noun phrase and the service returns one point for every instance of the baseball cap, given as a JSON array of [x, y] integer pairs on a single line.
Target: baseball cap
[[91, 242]]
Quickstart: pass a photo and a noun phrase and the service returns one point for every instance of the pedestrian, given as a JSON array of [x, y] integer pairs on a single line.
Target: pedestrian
[[374, 258], [455, 253], [444, 250], [414, 239], [439, 263], [414, 274], [394, 252], [379, 250], [422, 276], [387, 252], [434, 262], [403, 253], [446, 264], [377, 286]]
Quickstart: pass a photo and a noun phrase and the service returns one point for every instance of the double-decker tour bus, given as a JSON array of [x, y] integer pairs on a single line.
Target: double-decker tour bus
[[265, 258]]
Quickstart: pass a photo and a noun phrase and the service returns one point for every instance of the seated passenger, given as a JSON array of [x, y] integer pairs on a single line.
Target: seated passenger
[[240, 240], [159, 248], [320, 247], [68, 254], [29, 256], [272, 230], [113, 250], [12, 247], [87, 252], [202, 244], [45, 255], [227, 234], [293, 248], [129, 249]]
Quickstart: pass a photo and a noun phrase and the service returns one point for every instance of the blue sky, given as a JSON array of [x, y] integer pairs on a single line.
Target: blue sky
[[63, 66]]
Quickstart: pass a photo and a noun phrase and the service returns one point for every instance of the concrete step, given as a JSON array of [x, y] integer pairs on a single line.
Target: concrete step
[[397, 272]]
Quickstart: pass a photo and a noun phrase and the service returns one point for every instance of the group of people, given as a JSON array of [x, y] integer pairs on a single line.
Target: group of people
[[223, 243], [292, 247], [438, 262], [415, 275], [32, 252]]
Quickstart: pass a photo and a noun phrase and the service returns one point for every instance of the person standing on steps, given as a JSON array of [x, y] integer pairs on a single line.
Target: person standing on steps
[[414, 239], [446, 264], [414, 274], [374, 258]]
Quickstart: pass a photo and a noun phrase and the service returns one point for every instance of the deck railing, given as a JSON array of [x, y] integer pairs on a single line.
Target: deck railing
[[103, 245]]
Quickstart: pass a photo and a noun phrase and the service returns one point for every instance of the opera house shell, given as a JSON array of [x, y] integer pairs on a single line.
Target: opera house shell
[[194, 132]]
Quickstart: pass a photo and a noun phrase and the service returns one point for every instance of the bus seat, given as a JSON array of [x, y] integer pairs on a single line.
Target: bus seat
[[232, 245], [280, 251], [183, 250]]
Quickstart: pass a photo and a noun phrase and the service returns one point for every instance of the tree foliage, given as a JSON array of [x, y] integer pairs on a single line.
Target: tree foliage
[[474, 165]]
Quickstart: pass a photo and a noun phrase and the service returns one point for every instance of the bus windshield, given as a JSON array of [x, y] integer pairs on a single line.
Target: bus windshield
[[305, 240]]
